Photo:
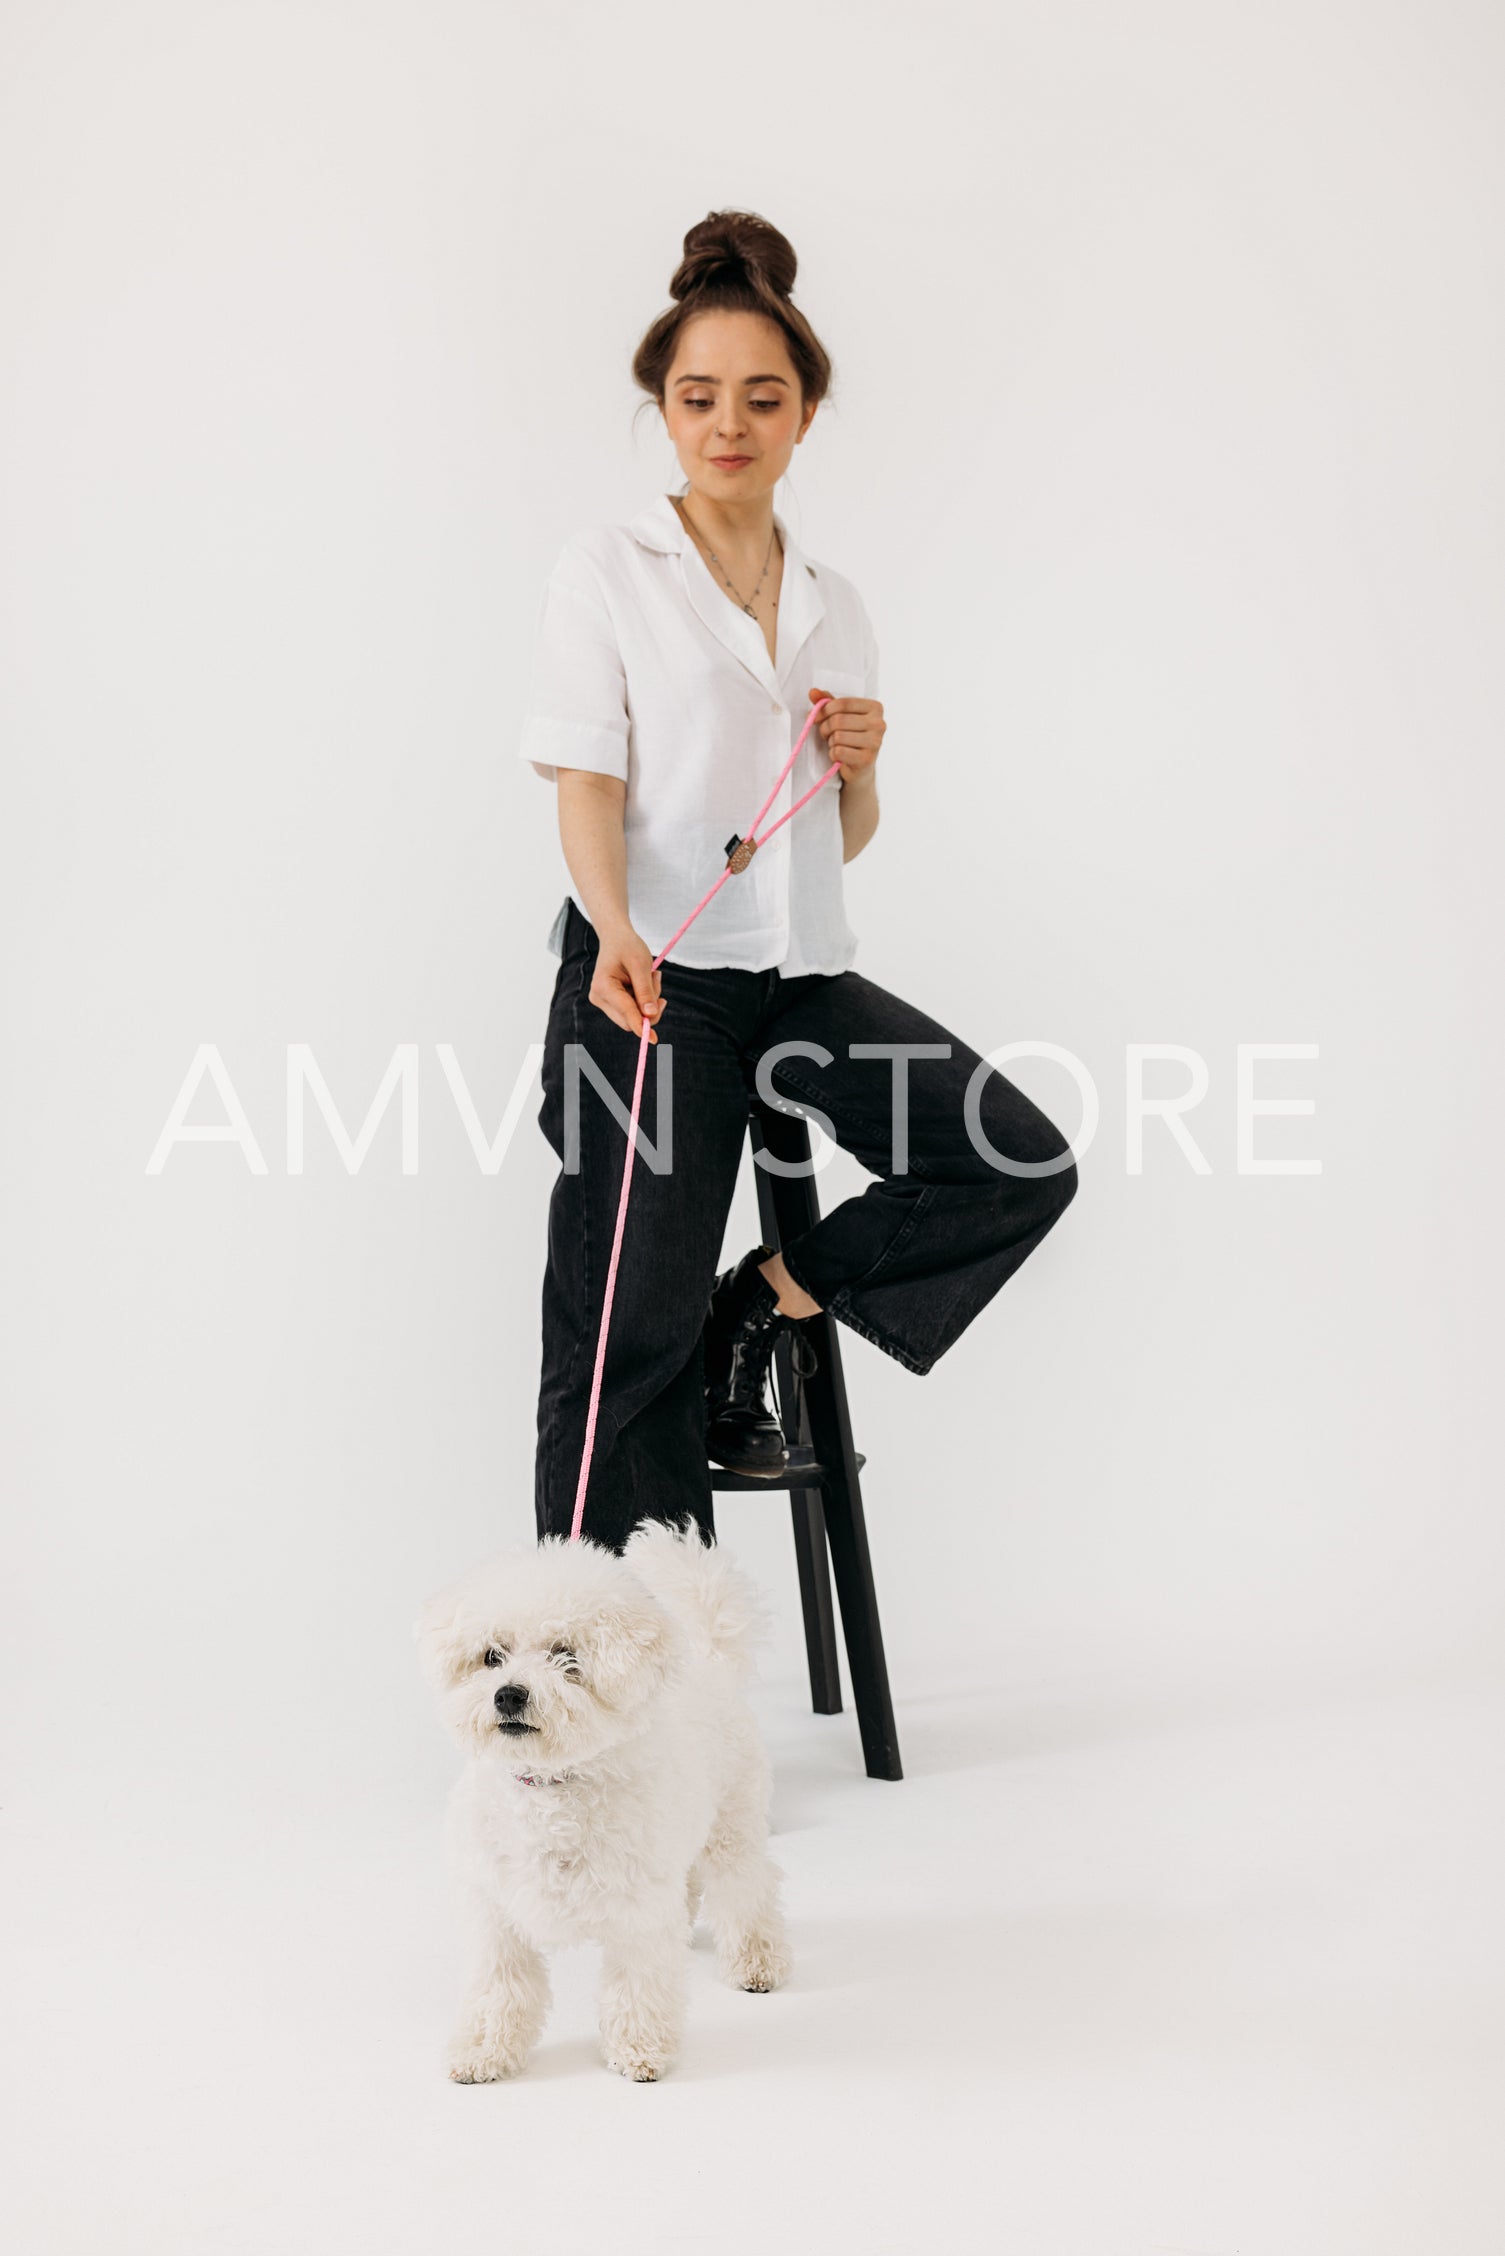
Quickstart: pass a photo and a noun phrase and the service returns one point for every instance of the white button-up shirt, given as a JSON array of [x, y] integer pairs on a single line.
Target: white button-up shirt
[[644, 668]]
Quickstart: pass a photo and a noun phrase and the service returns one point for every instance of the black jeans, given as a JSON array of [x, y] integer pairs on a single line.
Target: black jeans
[[908, 1263]]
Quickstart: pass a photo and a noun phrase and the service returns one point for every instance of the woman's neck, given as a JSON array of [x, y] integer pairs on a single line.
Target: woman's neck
[[742, 531]]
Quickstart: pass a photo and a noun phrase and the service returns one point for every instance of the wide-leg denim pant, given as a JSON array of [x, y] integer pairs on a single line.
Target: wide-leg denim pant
[[908, 1263]]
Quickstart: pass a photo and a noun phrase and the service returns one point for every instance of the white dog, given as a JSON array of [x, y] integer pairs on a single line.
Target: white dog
[[615, 1778]]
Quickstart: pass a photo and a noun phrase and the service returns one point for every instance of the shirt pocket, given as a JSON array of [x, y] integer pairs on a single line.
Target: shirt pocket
[[841, 681], [837, 681]]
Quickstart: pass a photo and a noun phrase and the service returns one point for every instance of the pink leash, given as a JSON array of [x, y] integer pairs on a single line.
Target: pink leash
[[737, 861]]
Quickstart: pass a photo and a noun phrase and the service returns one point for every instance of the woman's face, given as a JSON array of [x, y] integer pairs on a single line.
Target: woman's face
[[733, 407]]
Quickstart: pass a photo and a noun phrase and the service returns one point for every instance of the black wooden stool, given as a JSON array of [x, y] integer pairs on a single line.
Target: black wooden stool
[[825, 1494]]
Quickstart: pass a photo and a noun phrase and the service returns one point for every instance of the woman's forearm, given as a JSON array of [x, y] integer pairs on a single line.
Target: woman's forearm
[[593, 835], [859, 812]]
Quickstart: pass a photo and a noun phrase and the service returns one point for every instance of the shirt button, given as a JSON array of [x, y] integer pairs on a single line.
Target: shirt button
[[778, 708]]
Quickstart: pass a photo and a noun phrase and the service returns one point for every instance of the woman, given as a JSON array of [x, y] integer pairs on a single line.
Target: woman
[[676, 659]]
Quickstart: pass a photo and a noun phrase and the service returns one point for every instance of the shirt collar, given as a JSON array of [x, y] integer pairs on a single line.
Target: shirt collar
[[658, 527]]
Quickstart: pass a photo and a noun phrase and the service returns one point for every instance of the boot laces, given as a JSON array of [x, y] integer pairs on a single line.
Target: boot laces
[[803, 1363], [754, 1350]]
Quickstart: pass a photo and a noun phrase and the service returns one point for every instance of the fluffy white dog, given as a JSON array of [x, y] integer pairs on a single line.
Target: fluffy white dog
[[615, 1784]]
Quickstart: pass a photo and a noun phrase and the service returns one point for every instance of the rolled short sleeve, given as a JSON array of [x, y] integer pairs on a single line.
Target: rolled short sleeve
[[577, 700]]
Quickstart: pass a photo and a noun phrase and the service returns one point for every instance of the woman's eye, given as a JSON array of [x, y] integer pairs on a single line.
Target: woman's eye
[[493, 1657]]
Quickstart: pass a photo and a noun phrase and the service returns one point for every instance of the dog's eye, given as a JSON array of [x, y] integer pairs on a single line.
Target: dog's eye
[[564, 1654], [493, 1657]]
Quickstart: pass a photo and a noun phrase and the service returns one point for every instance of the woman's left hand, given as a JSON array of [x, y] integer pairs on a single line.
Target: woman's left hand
[[853, 731]]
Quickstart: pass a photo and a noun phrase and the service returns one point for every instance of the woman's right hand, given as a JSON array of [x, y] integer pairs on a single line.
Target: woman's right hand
[[625, 985]]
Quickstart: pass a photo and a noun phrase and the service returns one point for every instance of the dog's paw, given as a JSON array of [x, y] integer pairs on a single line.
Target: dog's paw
[[475, 2064], [758, 1962], [637, 2064]]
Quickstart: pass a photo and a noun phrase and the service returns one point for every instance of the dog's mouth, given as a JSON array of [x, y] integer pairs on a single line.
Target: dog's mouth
[[513, 1727]]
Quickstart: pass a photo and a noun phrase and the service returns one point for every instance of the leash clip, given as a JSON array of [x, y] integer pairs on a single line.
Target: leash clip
[[739, 852]]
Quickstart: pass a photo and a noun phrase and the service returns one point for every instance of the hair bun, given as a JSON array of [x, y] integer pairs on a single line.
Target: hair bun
[[733, 246], [734, 262]]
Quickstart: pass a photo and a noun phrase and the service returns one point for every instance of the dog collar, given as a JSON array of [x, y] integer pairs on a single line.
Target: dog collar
[[538, 1778]]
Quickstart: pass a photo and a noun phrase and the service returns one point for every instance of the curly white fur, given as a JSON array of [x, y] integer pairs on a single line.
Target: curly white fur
[[615, 1784]]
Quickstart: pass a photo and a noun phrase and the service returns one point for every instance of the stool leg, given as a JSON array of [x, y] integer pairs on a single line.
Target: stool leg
[[815, 1597], [787, 1206], [810, 1547], [851, 1562]]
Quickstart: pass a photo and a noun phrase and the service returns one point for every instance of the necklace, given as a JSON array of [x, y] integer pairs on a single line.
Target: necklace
[[721, 568]]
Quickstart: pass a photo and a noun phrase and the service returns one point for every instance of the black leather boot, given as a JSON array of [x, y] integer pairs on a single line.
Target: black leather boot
[[741, 1325]]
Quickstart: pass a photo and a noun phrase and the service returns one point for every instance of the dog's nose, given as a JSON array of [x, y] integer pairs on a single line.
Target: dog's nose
[[511, 1699]]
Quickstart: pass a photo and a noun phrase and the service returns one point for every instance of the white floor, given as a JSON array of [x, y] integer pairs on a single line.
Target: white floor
[[1105, 1975]]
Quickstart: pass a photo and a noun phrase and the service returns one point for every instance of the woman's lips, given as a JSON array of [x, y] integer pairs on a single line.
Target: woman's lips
[[731, 461]]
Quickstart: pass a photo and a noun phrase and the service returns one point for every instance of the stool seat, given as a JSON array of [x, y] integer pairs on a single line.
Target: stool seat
[[801, 1472], [821, 1477]]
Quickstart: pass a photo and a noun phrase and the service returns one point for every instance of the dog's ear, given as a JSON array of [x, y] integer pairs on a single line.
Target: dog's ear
[[626, 1651], [441, 1642]]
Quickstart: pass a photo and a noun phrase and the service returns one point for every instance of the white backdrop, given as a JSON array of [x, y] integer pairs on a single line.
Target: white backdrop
[[1165, 453]]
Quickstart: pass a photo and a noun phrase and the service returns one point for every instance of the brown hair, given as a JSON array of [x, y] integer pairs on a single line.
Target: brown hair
[[736, 262]]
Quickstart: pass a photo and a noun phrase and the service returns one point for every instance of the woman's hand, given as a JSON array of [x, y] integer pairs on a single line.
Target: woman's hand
[[853, 731], [625, 985]]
